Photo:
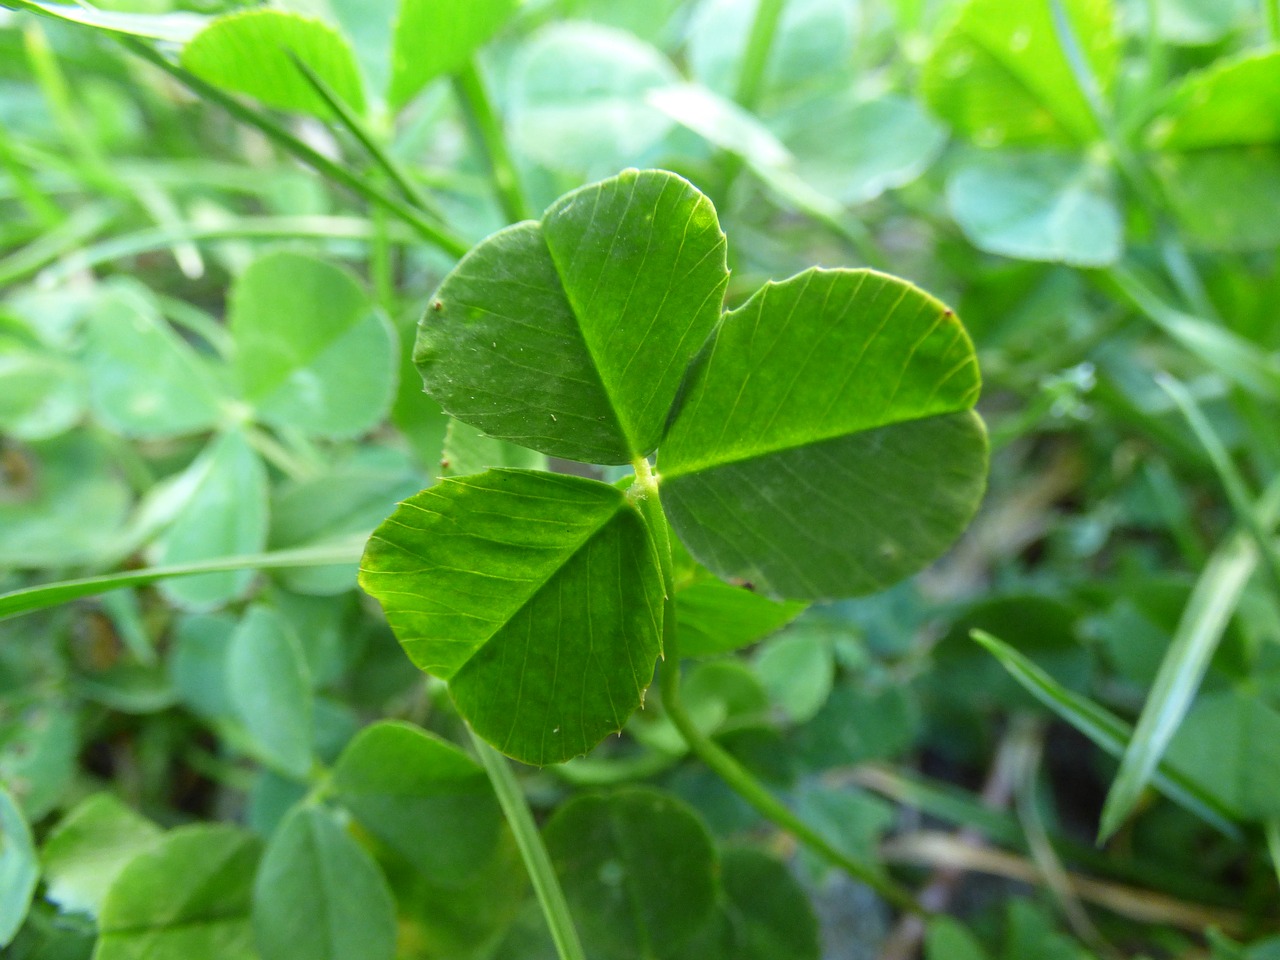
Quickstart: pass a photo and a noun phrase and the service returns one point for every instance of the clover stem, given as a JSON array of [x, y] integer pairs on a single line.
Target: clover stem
[[737, 777], [532, 850], [755, 60], [486, 129]]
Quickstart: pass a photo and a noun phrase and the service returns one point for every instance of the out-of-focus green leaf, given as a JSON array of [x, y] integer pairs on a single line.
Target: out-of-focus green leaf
[[186, 898], [270, 691], [467, 451], [19, 867], [144, 380], [625, 278], [812, 45], [578, 98], [422, 797], [174, 26], [1000, 76], [312, 351], [536, 595], [638, 869], [225, 515], [721, 122], [252, 52], [319, 894], [1037, 206], [42, 393], [1230, 104], [948, 939], [438, 37], [772, 918], [38, 751], [89, 848], [1222, 170], [1197, 22], [831, 382], [798, 669], [62, 504], [345, 502], [198, 663], [1232, 740], [853, 149]]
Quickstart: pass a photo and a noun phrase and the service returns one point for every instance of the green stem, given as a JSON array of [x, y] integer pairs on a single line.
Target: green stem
[[429, 231], [1272, 8], [737, 777], [755, 61], [486, 129], [764, 26], [536, 859], [408, 189]]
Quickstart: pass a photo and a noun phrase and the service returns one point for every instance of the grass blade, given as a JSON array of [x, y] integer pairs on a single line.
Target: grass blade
[[1237, 491], [1106, 731], [1213, 600], [47, 595]]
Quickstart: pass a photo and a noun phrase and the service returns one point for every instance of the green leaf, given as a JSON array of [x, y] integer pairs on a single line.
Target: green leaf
[[1230, 104], [1038, 206], [1222, 169], [42, 394], [1231, 740], [797, 669], [62, 504], [38, 756], [1226, 199], [187, 898], [270, 691], [772, 916], [174, 26], [349, 500], [468, 451], [198, 663], [19, 868], [252, 52], [571, 335], [578, 98], [638, 869], [225, 492], [721, 122], [89, 848], [422, 797], [144, 380], [814, 40], [715, 617], [438, 37], [1196, 22], [1106, 731], [537, 596], [312, 351], [319, 896], [947, 939], [999, 75], [853, 149], [825, 445]]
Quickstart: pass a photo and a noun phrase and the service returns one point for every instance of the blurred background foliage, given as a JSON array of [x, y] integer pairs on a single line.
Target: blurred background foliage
[[1093, 184]]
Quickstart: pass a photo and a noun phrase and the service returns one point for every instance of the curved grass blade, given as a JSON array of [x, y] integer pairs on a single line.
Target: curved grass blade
[[1106, 731], [1213, 601], [46, 595]]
